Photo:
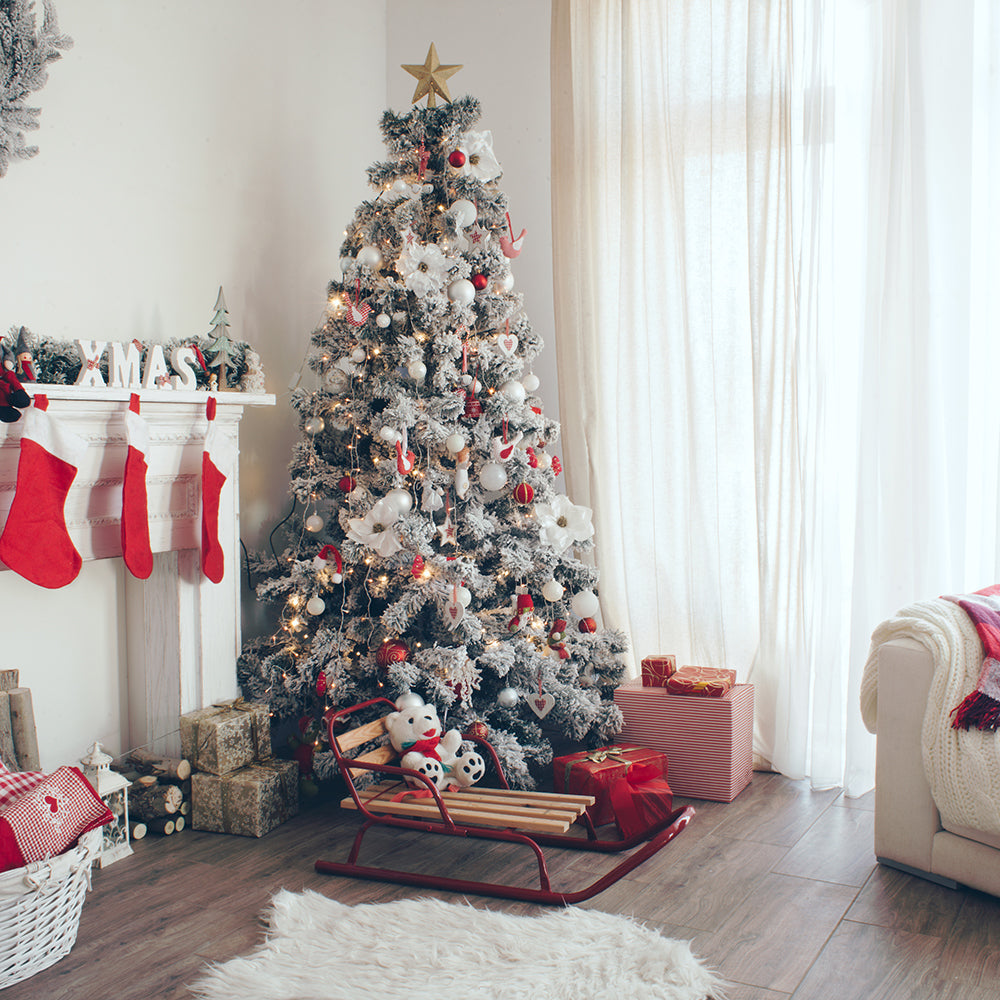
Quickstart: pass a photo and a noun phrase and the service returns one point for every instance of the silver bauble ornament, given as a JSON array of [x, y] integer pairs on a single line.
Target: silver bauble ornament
[[358, 355], [369, 256], [417, 370], [462, 292], [514, 391], [408, 700], [400, 499], [585, 604], [493, 476], [314, 523], [315, 605], [382, 320], [314, 425], [464, 212], [508, 698]]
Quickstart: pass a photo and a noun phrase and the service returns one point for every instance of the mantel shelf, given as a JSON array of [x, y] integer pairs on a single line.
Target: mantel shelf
[[112, 394]]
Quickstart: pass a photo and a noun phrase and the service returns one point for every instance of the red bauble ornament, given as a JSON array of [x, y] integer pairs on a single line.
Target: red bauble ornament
[[524, 493], [478, 730], [392, 652], [479, 282], [457, 158], [587, 625], [346, 484], [417, 567]]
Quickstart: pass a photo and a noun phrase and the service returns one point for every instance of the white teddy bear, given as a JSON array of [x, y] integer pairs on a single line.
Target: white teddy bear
[[415, 733]]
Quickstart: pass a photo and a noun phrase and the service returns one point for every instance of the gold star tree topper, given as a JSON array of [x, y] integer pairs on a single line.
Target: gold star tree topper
[[432, 78]]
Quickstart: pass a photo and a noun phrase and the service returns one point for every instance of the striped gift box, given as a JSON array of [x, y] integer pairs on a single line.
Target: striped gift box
[[708, 741]]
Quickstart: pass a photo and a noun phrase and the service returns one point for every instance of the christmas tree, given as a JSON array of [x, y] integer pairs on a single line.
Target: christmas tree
[[432, 551]]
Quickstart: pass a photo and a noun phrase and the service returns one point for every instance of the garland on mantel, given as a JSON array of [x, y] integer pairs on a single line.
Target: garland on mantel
[[56, 362], [25, 52]]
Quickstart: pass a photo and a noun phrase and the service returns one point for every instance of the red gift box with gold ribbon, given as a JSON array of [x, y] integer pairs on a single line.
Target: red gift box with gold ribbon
[[628, 782], [706, 682], [657, 669]]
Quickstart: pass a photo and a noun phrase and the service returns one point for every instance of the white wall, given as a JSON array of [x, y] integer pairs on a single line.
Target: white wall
[[196, 143], [184, 145]]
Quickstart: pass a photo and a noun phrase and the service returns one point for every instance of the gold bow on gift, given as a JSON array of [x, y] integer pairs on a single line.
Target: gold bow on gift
[[600, 756]]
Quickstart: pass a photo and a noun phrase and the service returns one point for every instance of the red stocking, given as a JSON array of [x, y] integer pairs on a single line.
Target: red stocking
[[35, 542], [217, 456], [136, 551]]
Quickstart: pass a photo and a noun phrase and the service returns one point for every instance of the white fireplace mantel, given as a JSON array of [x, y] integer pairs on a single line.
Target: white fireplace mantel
[[182, 632]]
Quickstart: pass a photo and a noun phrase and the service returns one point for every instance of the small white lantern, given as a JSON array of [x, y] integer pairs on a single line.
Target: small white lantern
[[113, 789]]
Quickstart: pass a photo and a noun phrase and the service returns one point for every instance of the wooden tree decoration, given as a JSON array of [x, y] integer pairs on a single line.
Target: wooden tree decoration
[[221, 346]]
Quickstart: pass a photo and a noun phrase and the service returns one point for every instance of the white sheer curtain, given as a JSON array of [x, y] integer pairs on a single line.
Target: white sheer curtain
[[776, 330]]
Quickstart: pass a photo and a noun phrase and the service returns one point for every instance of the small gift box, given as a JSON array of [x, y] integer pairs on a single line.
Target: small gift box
[[227, 736], [596, 772], [249, 802], [657, 669], [706, 682]]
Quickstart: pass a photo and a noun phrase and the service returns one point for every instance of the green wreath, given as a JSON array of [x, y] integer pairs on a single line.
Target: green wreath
[[25, 52]]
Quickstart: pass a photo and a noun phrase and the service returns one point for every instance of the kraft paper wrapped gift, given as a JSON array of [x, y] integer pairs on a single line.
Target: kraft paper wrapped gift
[[656, 669], [594, 772], [225, 737], [249, 802], [708, 741]]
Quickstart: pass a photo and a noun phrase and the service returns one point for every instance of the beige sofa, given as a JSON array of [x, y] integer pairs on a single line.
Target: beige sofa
[[908, 829]]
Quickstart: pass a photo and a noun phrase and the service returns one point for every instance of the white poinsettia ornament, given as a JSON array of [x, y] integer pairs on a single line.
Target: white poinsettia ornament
[[375, 528], [562, 522], [480, 161], [423, 268]]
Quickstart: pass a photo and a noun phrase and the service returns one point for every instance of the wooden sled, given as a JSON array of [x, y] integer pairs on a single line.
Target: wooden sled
[[532, 819]]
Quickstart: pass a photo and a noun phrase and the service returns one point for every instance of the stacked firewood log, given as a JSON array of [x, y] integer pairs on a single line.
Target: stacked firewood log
[[159, 797]]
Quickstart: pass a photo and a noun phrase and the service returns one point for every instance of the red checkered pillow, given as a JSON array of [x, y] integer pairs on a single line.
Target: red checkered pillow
[[13, 784], [49, 817]]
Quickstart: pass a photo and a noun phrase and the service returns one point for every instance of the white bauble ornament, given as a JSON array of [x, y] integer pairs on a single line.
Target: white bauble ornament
[[314, 426], [314, 523], [462, 291], [390, 435], [504, 284], [315, 605], [409, 700], [544, 461], [464, 596], [400, 500], [530, 382], [400, 186], [464, 212], [383, 320], [454, 443], [493, 476], [585, 604], [358, 355], [369, 256], [553, 590], [514, 391], [417, 370], [508, 698]]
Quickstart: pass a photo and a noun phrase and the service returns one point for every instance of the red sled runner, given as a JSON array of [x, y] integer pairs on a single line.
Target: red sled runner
[[531, 819]]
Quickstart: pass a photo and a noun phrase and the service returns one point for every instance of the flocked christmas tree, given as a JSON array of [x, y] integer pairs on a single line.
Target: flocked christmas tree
[[432, 551]]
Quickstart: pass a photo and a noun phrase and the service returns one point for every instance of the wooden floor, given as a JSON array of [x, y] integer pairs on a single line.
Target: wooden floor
[[778, 890]]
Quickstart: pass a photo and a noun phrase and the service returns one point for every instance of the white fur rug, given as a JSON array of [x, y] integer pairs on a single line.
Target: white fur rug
[[427, 949]]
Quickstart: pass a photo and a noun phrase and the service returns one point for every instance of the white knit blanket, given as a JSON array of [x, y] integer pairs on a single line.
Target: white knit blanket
[[962, 767]]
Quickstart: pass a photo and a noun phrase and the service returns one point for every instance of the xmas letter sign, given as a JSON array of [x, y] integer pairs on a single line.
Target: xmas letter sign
[[125, 362]]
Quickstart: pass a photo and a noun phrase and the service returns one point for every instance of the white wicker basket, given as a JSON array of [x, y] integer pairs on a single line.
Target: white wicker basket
[[40, 910]]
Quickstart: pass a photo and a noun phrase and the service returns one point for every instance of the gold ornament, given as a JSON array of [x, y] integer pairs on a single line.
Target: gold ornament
[[432, 78]]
